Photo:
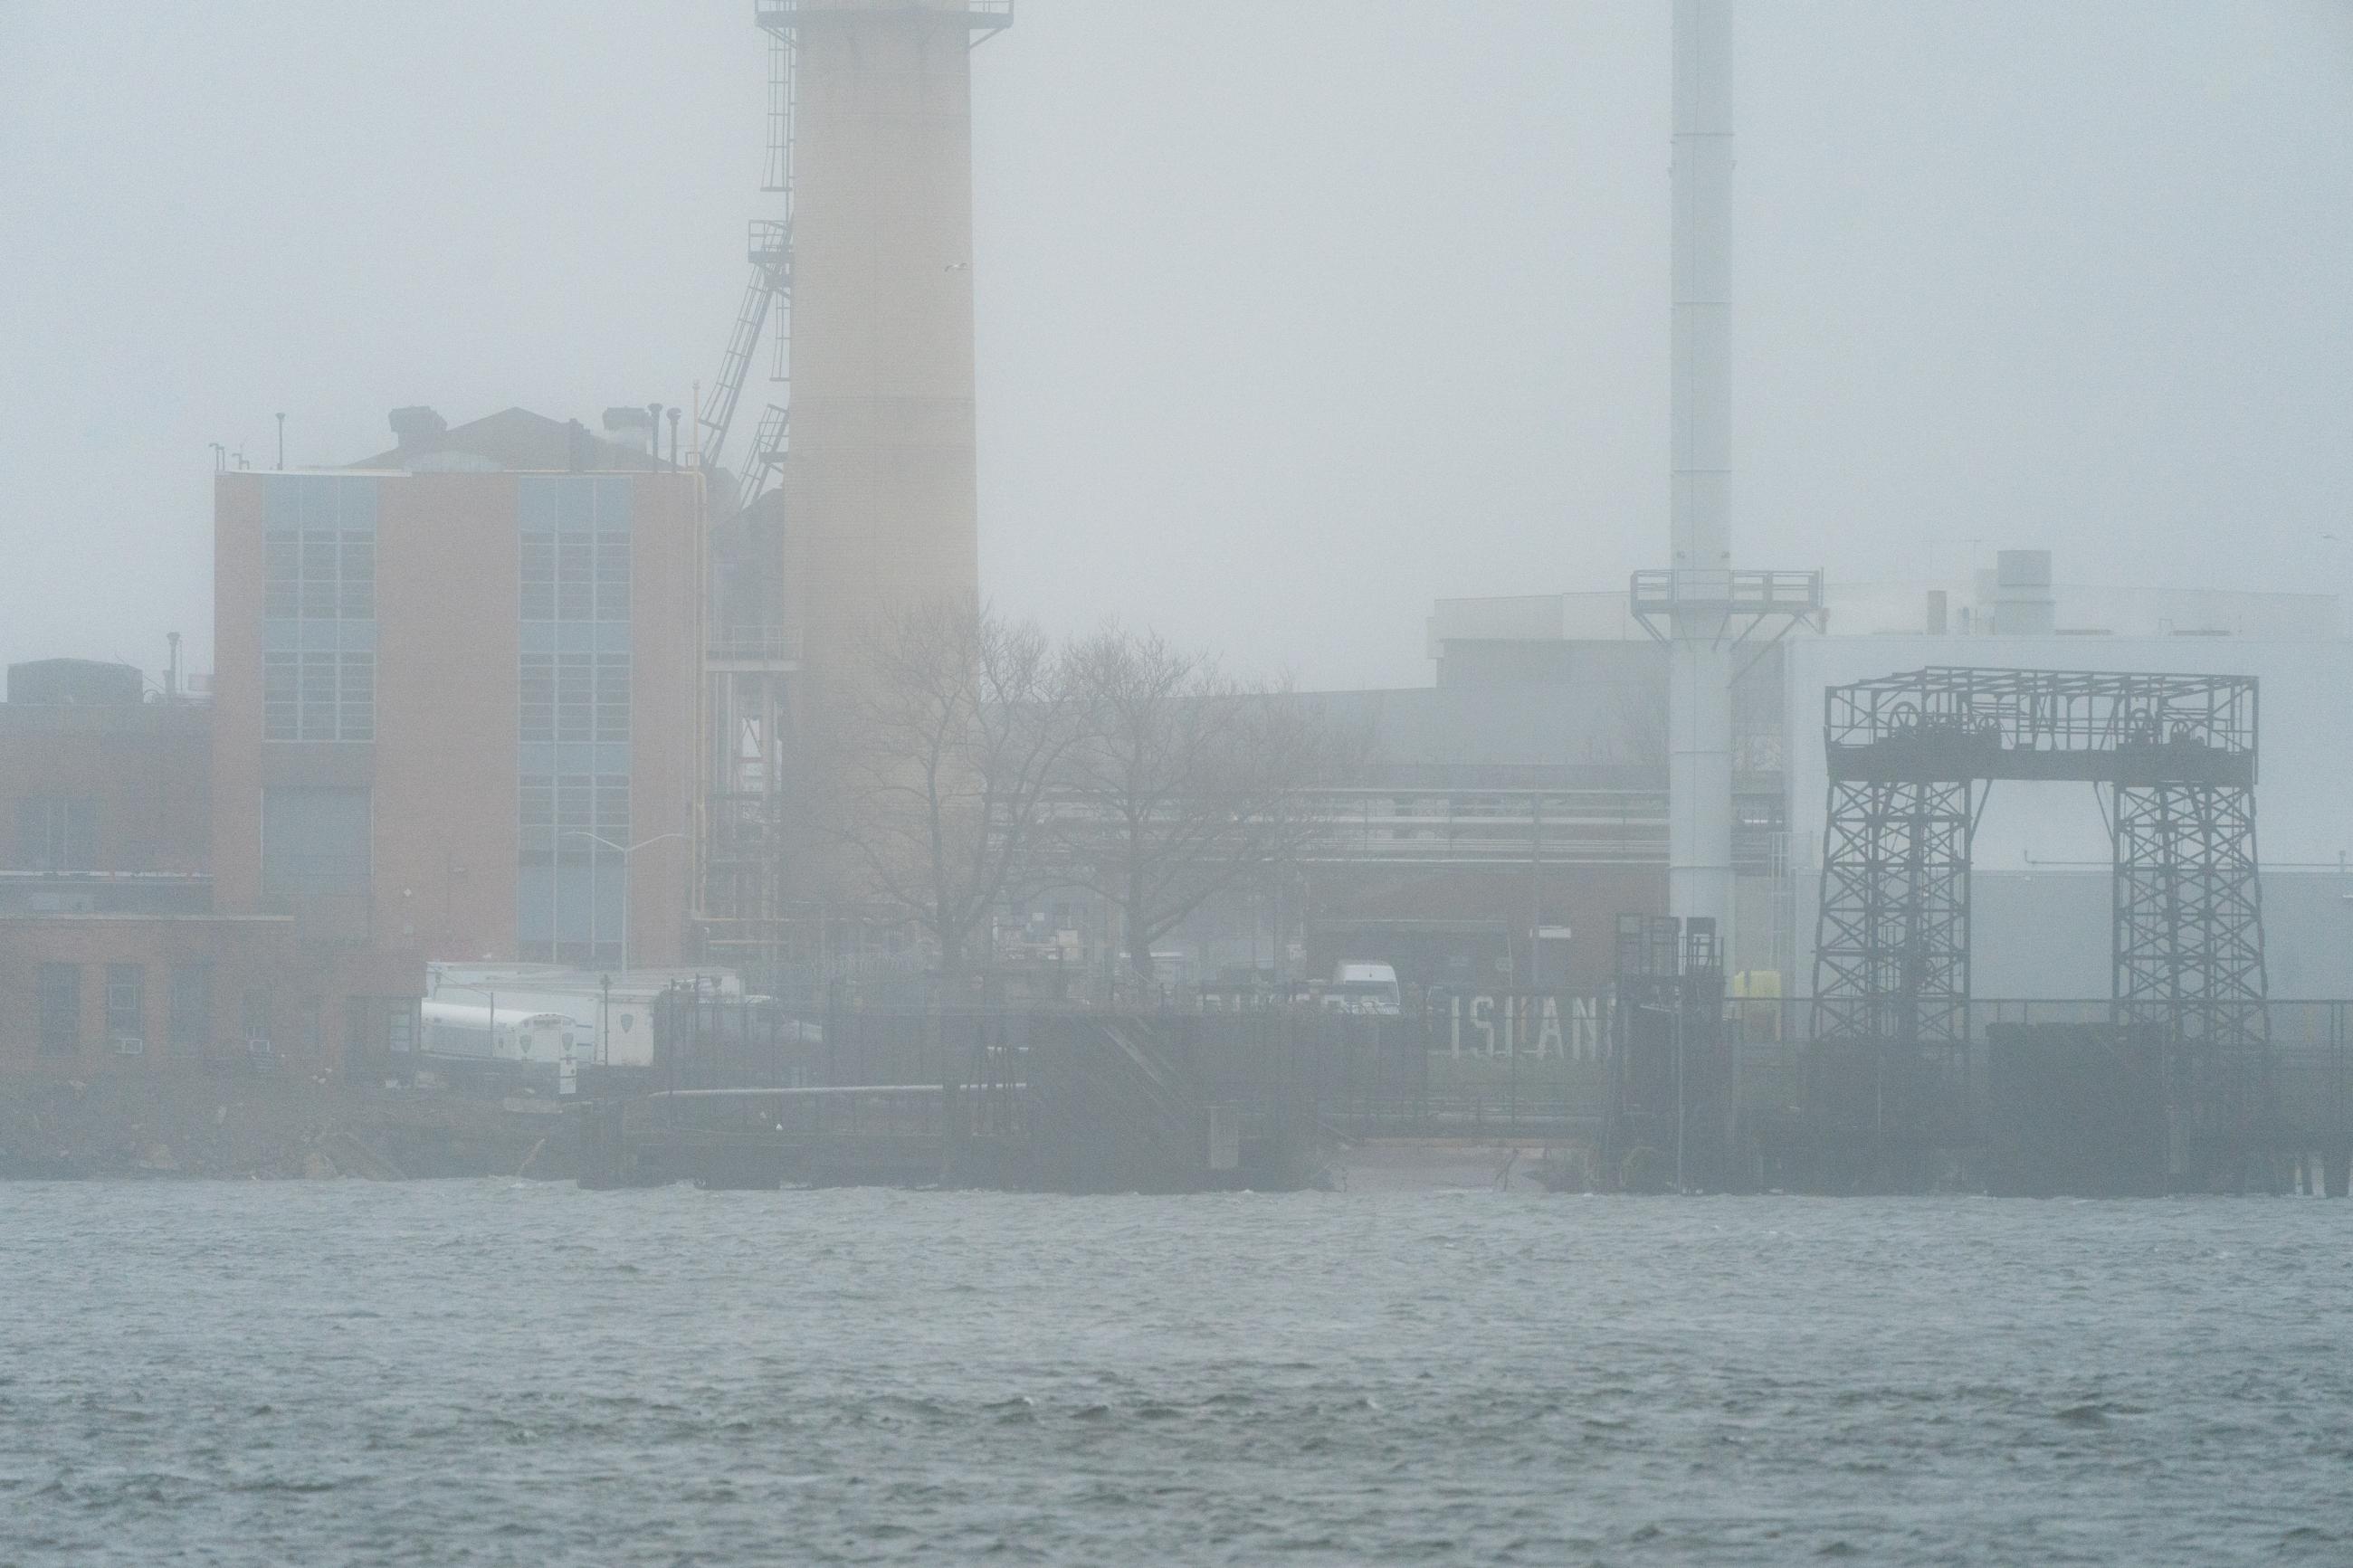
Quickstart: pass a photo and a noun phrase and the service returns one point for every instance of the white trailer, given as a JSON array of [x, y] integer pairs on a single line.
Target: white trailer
[[469, 1029]]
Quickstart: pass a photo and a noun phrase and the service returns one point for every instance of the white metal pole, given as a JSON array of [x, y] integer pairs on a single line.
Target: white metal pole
[[1699, 699]]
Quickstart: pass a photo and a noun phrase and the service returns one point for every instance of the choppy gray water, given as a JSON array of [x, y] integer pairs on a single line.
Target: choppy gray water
[[490, 1373]]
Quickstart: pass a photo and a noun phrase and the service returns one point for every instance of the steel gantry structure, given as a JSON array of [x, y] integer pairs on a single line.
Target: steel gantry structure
[[2173, 758]]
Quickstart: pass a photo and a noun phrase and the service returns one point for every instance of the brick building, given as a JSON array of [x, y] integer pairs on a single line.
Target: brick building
[[452, 688], [152, 992], [111, 954], [107, 796]]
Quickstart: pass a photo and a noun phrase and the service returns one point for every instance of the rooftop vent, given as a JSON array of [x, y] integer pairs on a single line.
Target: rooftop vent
[[416, 426]]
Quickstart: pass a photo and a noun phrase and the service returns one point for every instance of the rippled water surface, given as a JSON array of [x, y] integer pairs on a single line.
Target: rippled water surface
[[490, 1373]]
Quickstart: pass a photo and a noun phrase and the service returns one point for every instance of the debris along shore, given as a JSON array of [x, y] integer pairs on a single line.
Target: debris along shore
[[249, 1126]]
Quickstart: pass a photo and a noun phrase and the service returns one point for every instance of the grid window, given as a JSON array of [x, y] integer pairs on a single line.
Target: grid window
[[538, 696], [612, 697], [356, 600], [356, 700], [574, 816], [569, 894], [56, 833], [539, 576], [60, 1005], [320, 601], [612, 576], [575, 692], [575, 697], [318, 696], [126, 1008], [317, 570], [191, 1008], [282, 581], [575, 556], [613, 809], [538, 821], [575, 579], [280, 715]]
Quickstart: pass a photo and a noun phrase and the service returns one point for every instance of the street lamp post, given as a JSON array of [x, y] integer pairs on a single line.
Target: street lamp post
[[624, 851], [482, 991]]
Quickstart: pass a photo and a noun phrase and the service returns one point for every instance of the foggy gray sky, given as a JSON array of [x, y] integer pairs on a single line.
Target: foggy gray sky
[[1292, 316]]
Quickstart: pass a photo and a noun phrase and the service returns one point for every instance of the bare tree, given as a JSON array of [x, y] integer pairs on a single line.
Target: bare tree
[[941, 749], [1183, 782]]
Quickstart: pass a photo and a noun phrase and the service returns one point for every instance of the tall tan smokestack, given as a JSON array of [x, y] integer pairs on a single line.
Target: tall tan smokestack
[[879, 489]]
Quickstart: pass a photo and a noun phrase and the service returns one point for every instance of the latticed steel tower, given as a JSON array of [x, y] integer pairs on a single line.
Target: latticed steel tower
[[1910, 759]]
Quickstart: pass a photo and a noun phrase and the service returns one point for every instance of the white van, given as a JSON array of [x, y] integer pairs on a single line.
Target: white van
[[1364, 987]]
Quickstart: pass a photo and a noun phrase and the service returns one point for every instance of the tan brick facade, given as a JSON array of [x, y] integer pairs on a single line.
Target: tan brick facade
[[320, 1009], [442, 767]]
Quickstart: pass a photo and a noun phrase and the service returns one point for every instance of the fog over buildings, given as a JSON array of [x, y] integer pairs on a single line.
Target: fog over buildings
[[1290, 318], [1450, 959]]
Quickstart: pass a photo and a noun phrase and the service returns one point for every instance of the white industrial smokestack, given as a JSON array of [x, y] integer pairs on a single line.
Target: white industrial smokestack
[[1698, 702]]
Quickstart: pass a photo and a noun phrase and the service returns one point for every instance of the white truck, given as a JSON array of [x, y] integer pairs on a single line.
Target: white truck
[[511, 1034], [1363, 986]]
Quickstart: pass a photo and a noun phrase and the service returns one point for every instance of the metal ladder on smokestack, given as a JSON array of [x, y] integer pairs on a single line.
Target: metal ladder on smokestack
[[770, 251]]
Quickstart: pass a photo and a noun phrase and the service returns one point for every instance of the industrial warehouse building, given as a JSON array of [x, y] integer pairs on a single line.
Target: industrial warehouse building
[[1524, 792], [2040, 888]]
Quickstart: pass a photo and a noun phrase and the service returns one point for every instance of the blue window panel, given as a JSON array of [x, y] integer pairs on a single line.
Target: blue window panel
[[536, 502], [612, 636], [538, 757], [281, 501], [318, 500], [285, 635], [575, 637], [613, 502], [612, 897], [358, 503], [576, 907], [579, 757], [319, 637], [611, 757], [540, 637], [535, 904], [575, 504]]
